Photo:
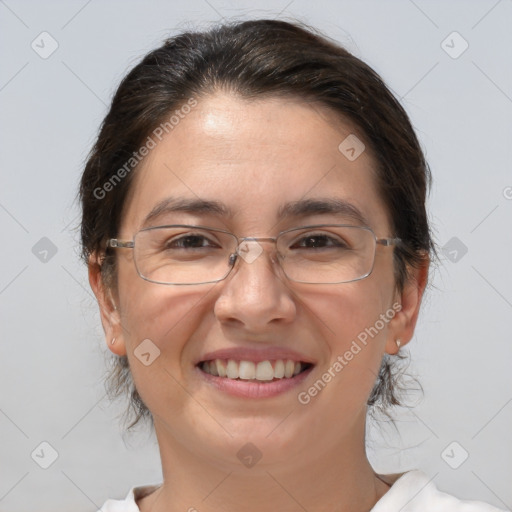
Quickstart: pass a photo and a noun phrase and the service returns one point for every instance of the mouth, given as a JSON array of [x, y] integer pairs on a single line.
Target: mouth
[[254, 371]]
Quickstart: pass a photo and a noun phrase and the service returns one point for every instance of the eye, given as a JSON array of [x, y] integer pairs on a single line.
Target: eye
[[189, 241], [319, 241]]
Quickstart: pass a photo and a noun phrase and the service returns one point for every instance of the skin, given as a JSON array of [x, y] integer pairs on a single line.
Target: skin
[[254, 156]]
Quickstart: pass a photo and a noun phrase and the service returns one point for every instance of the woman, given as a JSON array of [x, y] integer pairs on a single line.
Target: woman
[[255, 230]]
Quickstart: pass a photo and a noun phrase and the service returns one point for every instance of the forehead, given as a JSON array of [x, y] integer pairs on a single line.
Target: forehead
[[255, 157]]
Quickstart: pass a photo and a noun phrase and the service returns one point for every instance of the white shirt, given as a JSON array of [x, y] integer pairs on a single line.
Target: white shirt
[[412, 492]]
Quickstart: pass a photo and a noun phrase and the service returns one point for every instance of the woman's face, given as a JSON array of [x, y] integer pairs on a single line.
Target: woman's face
[[254, 158]]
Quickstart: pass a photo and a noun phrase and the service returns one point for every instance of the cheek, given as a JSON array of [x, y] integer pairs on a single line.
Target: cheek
[[165, 315], [158, 322], [350, 320], [354, 334], [344, 311]]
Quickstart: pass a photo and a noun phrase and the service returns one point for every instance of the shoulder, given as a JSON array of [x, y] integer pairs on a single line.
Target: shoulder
[[414, 491], [129, 504]]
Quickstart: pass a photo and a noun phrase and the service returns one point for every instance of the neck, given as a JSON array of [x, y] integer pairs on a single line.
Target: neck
[[340, 479]]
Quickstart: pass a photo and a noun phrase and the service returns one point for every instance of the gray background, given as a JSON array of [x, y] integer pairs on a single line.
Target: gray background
[[52, 349]]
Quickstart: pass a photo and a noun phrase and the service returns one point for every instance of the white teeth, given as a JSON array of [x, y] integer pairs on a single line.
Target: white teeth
[[221, 368], [289, 368], [279, 369], [264, 371], [248, 370], [232, 369]]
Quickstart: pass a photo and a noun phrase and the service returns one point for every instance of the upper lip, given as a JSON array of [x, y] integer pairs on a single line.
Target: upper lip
[[256, 355]]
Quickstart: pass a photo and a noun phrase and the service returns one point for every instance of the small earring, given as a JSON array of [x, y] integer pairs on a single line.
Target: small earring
[[398, 342], [113, 340]]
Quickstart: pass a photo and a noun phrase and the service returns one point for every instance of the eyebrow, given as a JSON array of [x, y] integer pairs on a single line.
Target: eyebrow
[[295, 209], [201, 206], [323, 206]]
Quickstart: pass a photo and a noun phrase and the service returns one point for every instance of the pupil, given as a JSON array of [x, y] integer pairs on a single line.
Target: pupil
[[315, 241], [193, 241]]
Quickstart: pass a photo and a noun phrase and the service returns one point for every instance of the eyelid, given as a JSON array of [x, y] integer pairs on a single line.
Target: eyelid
[[322, 227], [199, 233]]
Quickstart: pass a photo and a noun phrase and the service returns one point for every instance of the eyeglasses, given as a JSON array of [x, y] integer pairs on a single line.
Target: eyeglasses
[[319, 254]]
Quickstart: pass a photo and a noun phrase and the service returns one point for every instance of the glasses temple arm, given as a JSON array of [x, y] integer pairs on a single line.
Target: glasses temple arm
[[389, 241], [115, 242]]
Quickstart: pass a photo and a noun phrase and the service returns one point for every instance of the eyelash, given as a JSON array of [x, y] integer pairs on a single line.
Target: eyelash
[[314, 236]]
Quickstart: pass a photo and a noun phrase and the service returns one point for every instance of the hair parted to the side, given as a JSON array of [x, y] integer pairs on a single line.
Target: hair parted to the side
[[255, 59]]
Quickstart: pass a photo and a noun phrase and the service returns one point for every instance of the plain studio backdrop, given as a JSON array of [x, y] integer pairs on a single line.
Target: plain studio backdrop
[[448, 62]]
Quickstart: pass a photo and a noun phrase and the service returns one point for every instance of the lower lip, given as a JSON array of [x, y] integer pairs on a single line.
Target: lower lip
[[248, 389]]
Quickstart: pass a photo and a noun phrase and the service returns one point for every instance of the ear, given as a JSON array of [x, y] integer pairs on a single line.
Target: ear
[[402, 325], [110, 315]]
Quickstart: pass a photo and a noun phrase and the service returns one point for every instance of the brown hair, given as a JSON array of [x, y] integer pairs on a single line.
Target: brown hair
[[256, 59]]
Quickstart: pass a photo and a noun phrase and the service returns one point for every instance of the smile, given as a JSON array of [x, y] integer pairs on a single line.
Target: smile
[[266, 371]]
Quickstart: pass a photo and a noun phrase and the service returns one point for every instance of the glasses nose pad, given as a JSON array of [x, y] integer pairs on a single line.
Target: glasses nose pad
[[232, 259]]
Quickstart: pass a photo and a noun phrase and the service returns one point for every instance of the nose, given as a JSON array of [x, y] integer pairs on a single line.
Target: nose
[[255, 293]]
